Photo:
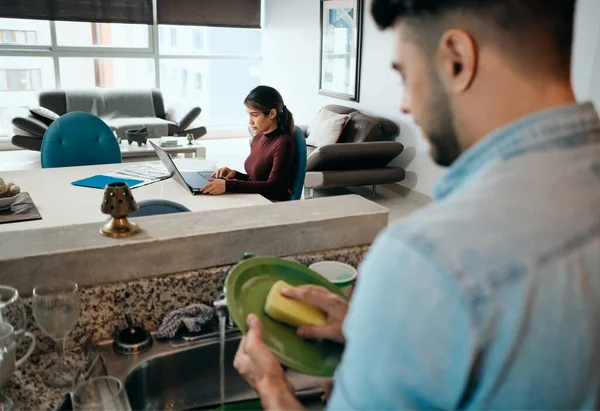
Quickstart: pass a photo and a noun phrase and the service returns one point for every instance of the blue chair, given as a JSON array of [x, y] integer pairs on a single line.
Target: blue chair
[[156, 207], [79, 139], [299, 171]]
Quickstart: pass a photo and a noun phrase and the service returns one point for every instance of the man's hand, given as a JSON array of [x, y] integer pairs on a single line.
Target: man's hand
[[254, 361], [259, 367], [334, 306], [216, 187], [224, 172]]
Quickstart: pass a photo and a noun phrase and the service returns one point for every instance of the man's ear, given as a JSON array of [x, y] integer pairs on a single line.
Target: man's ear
[[456, 59]]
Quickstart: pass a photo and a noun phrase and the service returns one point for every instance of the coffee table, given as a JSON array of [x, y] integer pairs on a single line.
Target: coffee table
[[133, 152]]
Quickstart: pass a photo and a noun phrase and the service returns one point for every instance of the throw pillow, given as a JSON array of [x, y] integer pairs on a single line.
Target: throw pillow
[[326, 128], [43, 114]]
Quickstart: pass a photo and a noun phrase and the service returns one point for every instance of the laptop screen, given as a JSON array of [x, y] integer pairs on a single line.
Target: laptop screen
[[170, 165]]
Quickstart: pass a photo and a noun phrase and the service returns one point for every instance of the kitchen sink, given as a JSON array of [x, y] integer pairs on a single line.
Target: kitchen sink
[[185, 376]]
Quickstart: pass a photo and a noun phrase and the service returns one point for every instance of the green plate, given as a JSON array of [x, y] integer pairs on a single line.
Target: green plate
[[246, 289]]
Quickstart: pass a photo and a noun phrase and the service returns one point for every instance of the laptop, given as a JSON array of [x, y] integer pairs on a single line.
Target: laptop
[[192, 180]]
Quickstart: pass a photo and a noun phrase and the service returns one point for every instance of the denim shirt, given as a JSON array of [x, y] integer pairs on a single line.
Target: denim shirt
[[490, 297]]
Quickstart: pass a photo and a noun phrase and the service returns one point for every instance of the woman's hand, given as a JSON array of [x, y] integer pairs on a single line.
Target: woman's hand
[[225, 173], [334, 306], [215, 187]]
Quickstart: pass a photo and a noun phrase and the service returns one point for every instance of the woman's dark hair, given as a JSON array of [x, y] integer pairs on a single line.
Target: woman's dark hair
[[265, 99]]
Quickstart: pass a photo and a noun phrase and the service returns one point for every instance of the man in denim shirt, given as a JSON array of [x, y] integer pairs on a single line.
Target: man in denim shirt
[[490, 297]]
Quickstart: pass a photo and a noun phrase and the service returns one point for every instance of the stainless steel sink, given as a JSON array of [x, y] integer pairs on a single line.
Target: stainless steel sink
[[186, 376]]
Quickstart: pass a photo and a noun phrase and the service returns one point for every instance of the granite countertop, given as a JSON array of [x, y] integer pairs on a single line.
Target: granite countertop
[[28, 391], [147, 300]]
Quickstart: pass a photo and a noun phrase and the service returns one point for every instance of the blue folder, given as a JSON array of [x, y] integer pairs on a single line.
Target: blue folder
[[100, 181]]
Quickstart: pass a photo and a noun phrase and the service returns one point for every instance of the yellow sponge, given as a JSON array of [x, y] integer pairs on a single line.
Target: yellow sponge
[[290, 311]]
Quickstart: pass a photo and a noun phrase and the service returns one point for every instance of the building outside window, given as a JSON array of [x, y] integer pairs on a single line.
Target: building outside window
[[198, 81], [198, 39], [18, 36], [20, 80], [173, 37]]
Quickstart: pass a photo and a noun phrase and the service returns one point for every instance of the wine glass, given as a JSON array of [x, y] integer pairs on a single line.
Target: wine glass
[[56, 310], [99, 394]]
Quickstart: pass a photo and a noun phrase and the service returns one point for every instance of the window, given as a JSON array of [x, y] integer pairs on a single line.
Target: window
[[20, 79], [31, 37], [198, 81], [209, 40], [21, 37], [162, 36], [36, 79], [198, 39], [174, 38], [13, 79], [184, 77], [78, 34], [26, 32], [212, 67], [224, 83], [19, 89], [18, 37], [8, 36], [107, 73]]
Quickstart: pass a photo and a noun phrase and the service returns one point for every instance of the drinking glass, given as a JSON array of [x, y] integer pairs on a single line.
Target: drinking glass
[[12, 312], [56, 310], [8, 359], [99, 394]]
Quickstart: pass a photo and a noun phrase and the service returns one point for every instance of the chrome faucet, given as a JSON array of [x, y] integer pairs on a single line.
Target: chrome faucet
[[221, 303], [221, 309]]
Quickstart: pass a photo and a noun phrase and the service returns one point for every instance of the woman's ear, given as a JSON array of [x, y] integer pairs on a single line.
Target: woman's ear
[[272, 114]]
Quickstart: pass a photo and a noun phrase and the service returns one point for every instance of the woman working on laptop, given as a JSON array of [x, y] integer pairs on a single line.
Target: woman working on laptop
[[269, 165]]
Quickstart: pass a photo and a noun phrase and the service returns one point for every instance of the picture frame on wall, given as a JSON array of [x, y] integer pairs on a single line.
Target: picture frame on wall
[[341, 40]]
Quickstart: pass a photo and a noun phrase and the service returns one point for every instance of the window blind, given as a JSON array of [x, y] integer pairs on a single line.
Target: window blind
[[216, 13], [103, 11]]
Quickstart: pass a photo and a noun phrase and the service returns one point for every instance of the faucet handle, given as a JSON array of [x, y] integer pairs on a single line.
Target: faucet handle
[[221, 302], [221, 307]]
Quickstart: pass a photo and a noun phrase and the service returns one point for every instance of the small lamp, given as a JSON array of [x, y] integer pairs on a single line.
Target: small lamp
[[118, 203]]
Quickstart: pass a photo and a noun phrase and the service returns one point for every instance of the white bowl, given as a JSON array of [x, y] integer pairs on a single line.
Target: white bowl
[[339, 274], [6, 202]]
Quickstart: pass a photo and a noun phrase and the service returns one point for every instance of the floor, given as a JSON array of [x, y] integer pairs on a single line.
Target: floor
[[399, 200], [232, 152]]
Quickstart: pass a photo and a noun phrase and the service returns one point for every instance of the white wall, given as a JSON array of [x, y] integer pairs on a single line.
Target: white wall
[[586, 52], [291, 64]]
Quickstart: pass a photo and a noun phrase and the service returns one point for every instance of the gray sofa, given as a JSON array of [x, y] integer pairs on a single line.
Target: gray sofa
[[29, 129], [361, 156]]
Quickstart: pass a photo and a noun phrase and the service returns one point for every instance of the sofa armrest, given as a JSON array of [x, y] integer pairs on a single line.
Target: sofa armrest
[[197, 132], [182, 114], [30, 125], [27, 142], [353, 156], [349, 178]]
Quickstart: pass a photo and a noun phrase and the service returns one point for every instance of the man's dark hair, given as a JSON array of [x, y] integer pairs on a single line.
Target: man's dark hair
[[551, 18]]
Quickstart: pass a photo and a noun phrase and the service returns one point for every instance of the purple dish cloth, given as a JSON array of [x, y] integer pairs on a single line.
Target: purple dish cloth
[[193, 317]]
